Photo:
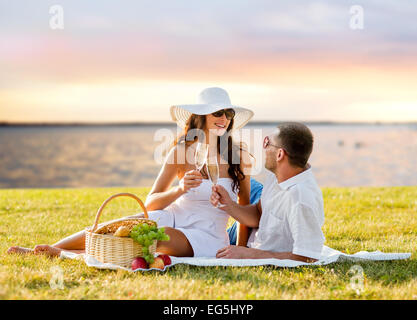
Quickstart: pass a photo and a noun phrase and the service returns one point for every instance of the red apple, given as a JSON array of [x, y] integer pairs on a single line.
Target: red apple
[[139, 262], [158, 263], [166, 258]]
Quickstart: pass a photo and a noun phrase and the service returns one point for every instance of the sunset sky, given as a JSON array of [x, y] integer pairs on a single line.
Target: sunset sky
[[131, 60]]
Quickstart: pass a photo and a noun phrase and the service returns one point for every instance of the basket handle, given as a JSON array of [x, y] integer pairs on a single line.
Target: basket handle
[[131, 195]]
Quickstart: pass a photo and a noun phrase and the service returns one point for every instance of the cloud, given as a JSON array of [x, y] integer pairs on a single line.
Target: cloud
[[304, 46]]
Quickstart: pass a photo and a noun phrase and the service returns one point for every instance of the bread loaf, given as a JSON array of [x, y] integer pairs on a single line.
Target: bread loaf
[[123, 231]]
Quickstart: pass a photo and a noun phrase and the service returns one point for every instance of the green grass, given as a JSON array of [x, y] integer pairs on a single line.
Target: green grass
[[356, 219]]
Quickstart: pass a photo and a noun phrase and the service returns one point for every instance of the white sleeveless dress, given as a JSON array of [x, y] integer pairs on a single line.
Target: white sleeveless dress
[[203, 224]]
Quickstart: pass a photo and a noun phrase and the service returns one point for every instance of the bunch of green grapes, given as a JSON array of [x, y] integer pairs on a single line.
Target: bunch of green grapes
[[145, 235]]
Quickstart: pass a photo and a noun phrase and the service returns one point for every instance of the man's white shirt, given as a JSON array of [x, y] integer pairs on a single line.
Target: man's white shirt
[[292, 216]]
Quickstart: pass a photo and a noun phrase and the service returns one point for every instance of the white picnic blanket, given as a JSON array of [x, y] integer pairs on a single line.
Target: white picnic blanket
[[328, 256]]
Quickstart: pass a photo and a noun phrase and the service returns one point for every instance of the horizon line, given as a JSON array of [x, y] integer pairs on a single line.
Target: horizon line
[[170, 123]]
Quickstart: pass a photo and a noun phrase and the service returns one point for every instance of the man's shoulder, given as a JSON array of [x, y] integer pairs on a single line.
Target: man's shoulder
[[270, 181], [307, 194], [308, 201]]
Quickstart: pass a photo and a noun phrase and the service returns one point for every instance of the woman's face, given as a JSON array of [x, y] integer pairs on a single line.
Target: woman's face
[[217, 125]]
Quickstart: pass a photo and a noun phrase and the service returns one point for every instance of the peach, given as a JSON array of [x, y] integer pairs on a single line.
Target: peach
[[158, 263], [166, 258]]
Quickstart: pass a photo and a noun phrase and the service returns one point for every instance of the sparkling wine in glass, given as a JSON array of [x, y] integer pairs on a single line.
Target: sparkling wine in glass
[[213, 172], [200, 156], [213, 169]]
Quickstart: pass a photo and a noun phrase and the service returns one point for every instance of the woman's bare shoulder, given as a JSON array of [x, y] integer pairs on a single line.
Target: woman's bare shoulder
[[176, 157], [174, 152]]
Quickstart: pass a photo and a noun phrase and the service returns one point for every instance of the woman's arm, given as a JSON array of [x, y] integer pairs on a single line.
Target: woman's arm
[[161, 194]]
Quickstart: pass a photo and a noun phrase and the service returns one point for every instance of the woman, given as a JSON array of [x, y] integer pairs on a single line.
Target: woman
[[194, 226]]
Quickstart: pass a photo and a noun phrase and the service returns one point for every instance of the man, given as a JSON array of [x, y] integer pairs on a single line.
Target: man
[[289, 215]]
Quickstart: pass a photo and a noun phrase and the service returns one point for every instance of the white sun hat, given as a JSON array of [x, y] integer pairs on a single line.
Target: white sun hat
[[210, 100]]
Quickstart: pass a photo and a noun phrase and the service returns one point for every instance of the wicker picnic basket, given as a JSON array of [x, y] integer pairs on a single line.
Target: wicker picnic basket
[[102, 245]]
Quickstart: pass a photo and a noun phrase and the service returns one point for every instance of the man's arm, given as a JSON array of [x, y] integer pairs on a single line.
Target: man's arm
[[234, 252], [243, 199], [248, 215]]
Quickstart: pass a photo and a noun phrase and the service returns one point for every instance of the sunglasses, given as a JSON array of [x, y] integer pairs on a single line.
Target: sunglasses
[[267, 142], [230, 113]]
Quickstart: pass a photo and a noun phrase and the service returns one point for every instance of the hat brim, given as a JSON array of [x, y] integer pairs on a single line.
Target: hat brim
[[181, 113]]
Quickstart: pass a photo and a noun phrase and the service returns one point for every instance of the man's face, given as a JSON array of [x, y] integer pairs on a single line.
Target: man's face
[[271, 152]]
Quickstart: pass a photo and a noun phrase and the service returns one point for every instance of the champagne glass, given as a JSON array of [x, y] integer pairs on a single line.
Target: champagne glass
[[200, 156], [213, 169], [213, 172]]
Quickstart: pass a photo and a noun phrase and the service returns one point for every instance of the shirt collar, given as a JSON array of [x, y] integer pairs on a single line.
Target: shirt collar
[[299, 178]]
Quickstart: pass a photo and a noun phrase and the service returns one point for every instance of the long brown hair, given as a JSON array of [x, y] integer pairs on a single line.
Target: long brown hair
[[231, 152]]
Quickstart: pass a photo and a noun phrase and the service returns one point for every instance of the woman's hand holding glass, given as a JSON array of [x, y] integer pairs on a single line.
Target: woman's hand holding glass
[[192, 179]]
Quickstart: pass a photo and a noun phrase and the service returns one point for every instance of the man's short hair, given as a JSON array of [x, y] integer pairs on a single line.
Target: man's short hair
[[297, 140]]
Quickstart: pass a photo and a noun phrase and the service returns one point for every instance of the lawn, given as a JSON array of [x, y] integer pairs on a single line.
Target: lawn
[[356, 219]]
